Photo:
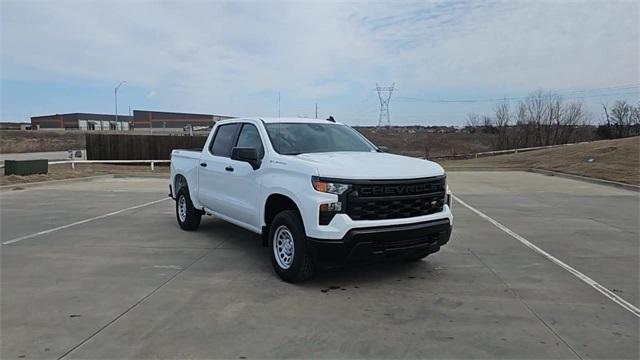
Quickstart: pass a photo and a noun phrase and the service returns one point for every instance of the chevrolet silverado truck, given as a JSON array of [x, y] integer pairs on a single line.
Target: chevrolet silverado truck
[[315, 190]]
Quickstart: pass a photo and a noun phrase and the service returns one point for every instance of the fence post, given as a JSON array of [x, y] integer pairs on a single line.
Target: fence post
[[73, 164], [151, 165]]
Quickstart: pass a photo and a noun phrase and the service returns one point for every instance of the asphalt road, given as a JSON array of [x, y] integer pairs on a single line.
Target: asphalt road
[[128, 283]]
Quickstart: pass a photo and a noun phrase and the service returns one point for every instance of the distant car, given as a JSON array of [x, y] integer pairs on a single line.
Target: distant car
[[316, 190]]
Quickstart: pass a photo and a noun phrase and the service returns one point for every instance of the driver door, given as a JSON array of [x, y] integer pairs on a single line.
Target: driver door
[[243, 186]]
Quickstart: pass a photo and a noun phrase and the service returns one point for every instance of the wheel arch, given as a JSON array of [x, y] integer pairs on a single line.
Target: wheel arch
[[179, 182], [274, 204]]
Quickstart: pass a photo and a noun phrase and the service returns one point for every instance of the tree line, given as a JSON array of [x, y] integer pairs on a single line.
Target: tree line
[[543, 119], [622, 120]]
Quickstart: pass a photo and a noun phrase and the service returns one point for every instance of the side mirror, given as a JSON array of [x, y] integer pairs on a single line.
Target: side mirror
[[249, 155], [383, 149]]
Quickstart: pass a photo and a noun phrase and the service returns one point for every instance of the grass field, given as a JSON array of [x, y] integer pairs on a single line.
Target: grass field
[[419, 141], [402, 140], [615, 160], [13, 141]]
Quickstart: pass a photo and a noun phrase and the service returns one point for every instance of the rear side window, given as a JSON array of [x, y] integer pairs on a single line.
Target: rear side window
[[249, 137], [223, 140]]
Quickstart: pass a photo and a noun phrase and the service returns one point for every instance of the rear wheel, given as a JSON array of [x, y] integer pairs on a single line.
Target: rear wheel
[[188, 216], [288, 243]]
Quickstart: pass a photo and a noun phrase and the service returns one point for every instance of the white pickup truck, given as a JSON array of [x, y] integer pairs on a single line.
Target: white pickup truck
[[316, 190]]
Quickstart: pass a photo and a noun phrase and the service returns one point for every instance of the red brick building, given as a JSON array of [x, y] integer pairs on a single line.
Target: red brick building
[[143, 119]]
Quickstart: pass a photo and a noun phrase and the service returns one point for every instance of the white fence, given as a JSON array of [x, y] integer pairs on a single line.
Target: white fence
[[74, 162]]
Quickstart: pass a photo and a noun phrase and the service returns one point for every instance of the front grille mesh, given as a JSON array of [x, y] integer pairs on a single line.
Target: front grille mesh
[[395, 203]]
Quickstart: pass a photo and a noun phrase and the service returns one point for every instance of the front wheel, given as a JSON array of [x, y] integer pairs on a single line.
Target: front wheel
[[288, 243], [187, 215]]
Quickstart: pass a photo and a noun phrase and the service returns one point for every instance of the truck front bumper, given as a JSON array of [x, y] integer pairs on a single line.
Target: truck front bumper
[[384, 242]]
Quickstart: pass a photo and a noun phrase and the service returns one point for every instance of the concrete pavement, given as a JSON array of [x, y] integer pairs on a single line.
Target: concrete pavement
[[135, 285]]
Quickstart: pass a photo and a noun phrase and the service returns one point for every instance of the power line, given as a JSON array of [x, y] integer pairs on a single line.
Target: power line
[[617, 87], [362, 115], [575, 92]]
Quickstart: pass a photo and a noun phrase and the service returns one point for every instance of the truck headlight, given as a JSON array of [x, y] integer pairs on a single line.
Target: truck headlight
[[329, 187], [328, 210]]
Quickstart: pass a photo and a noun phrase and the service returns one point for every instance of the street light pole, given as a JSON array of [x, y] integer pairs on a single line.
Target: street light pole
[[116, 99]]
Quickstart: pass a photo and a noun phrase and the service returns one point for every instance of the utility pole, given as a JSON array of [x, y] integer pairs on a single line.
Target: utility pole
[[384, 94], [278, 104], [116, 99], [316, 110]]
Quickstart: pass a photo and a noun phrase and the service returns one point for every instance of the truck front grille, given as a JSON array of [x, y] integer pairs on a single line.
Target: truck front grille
[[380, 200]]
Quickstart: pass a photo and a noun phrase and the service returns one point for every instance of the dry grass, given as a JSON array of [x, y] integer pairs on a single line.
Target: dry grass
[[418, 141], [64, 171], [615, 160], [14, 141]]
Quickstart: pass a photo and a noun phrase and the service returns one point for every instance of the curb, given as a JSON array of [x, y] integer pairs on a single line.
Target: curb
[[587, 179], [142, 176]]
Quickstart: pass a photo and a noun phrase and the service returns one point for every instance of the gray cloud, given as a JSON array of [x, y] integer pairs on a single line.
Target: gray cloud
[[231, 57]]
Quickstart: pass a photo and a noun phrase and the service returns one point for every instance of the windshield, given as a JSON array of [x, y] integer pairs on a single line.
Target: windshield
[[299, 138]]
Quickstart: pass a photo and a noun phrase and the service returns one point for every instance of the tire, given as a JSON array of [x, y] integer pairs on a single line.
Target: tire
[[189, 220], [292, 263]]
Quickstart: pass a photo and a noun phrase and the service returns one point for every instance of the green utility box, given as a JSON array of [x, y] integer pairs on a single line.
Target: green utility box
[[26, 167]]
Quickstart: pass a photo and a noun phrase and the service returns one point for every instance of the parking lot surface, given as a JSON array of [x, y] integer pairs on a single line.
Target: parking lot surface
[[100, 269]]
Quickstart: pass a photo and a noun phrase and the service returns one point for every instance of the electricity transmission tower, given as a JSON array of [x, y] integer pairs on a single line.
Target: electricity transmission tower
[[384, 93]]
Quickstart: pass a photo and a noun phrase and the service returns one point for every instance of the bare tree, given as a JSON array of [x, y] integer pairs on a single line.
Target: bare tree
[[621, 120], [473, 122], [522, 131], [573, 115], [487, 124], [503, 118], [606, 114]]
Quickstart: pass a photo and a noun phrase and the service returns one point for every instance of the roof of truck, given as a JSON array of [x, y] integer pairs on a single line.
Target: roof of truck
[[270, 120]]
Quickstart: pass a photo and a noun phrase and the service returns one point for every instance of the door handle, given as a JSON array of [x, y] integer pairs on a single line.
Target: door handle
[[229, 168], [203, 164]]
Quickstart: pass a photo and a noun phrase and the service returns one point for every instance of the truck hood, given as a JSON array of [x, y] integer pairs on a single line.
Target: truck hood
[[370, 165]]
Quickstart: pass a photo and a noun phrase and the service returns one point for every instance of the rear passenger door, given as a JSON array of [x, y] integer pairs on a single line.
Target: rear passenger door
[[213, 173]]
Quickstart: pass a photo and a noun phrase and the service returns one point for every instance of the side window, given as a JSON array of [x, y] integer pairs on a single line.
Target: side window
[[223, 140], [249, 137]]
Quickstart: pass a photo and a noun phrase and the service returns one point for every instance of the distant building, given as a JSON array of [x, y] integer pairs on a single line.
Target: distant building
[[141, 120], [14, 126], [172, 121], [82, 121]]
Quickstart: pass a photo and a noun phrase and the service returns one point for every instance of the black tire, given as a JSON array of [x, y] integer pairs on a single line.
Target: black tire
[[301, 266], [191, 219]]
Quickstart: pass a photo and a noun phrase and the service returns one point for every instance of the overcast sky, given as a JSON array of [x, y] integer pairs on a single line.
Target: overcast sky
[[232, 58]]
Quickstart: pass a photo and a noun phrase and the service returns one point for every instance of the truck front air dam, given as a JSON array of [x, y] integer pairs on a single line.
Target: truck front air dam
[[385, 242]]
